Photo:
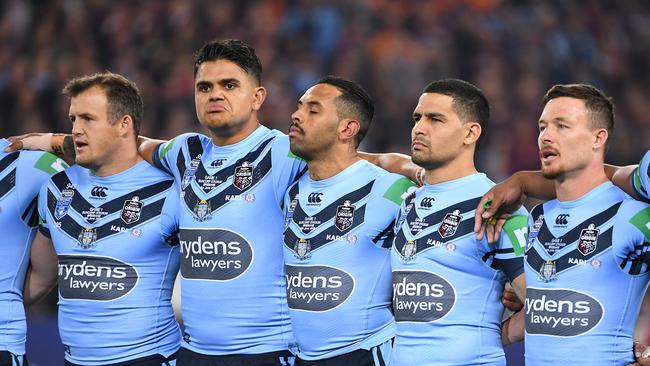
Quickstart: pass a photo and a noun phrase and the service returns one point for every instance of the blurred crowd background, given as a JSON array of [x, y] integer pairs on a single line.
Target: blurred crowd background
[[513, 50]]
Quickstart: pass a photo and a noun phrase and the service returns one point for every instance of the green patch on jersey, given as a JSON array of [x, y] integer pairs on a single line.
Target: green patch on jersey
[[50, 164], [165, 148], [516, 227], [642, 221], [636, 181], [294, 156], [399, 190]]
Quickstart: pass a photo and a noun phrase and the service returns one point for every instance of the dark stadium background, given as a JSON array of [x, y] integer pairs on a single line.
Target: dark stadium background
[[513, 50]]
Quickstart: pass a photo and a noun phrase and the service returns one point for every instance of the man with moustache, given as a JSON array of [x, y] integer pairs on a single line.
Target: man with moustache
[[338, 232], [447, 284], [587, 262]]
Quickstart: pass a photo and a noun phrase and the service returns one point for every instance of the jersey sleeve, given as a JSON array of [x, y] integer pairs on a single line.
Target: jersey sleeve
[[287, 167], [511, 245], [392, 191], [42, 211], [631, 237], [641, 178], [169, 215], [165, 155], [34, 169]]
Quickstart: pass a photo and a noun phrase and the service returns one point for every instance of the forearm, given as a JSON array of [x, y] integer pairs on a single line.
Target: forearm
[[622, 178], [147, 147], [37, 287], [63, 146], [512, 330], [533, 184]]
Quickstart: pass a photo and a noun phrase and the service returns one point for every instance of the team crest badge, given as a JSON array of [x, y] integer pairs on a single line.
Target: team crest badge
[[547, 272], [243, 176], [190, 172], [449, 224], [87, 238], [202, 210], [63, 203], [344, 216], [409, 250], [131, 210], [302, 249], [588, 240]]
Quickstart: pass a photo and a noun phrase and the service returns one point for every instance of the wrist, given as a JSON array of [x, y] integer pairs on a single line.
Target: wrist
[[56, 143]]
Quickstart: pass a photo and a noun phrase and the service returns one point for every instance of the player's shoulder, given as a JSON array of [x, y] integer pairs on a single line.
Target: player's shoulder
[[42, 161], [391, 186], [480, 183], [186, 138], [630, 207]]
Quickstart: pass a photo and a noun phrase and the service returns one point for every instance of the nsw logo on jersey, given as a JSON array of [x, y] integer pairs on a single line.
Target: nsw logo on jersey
[[548, 271], [317, 288], [588, 240], [409, 250], [63, 203], [344, 216], [450, 224], [87, 238], [202, 210], [243, 177], [302, 249], [561, 312], [131, 210]]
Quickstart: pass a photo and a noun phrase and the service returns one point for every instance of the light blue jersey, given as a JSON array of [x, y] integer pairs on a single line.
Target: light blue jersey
[[587, 269], [21, 176], [116, 241], [641, 178], [336, 243], [232, 291], [447, 285]]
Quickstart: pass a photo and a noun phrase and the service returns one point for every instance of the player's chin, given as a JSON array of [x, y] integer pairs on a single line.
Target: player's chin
[[550, 172]]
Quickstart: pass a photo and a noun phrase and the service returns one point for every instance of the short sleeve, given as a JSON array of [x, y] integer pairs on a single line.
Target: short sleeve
[[287, 167], [34, 170], [511, 245], [393, 189], [631, 237], [641, 178], [169, 215], [166, 154], [42, 211]]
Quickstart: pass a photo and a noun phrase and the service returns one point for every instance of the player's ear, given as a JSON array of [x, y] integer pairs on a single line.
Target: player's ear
[[348, 129], [126, 125], [473, 131], [259, 97], [600, 138]]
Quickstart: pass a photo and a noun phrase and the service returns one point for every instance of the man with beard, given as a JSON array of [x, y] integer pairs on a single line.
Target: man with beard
[[587, 261], [338, 232], [446, 283]]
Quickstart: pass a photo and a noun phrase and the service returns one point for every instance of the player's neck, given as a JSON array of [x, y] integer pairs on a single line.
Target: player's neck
[[573, 185], [450, 171], [224, 137], [122, 160], [328, 165]]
